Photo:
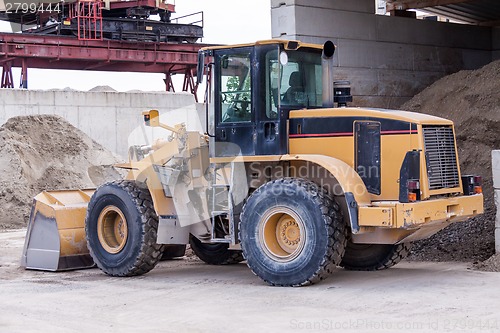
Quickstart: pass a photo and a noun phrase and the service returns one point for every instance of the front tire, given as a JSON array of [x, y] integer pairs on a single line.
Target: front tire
[[292, 233], [373, 257], [121, 227]]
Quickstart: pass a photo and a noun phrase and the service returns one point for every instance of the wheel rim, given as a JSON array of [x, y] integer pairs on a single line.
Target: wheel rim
[[282, 234], [112, 229]]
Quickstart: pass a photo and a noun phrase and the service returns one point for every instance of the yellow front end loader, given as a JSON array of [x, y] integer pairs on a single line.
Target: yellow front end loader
[[282, 178], [56, 236]]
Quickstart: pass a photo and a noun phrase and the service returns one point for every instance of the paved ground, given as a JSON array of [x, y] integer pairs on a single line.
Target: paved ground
[[189, 296]]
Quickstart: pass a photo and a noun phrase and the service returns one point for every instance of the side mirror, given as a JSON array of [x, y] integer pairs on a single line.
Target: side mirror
[[201, 67], [225, 62]]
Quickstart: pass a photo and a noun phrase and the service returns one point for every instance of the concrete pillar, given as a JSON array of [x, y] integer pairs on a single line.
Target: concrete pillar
[[495, 162], [388, 60], [495, 43]]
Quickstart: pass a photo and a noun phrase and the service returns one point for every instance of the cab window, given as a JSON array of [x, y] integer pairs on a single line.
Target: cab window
[[301, 80], [273, 70], [235, 90]]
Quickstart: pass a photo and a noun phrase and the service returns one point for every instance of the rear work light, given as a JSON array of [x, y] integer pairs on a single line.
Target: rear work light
[[413, 190], [478, 184], [472, 184]]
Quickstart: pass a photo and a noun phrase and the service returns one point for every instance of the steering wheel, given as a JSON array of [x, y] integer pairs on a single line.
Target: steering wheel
[[237, 111], [243, 105]]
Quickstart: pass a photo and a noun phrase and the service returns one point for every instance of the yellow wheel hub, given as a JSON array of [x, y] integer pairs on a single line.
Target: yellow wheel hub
[[282, 234], [288, 233], [112, 229]]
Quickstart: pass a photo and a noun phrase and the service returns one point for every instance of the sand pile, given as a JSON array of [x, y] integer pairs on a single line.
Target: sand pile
[[490, 265], [102, 89], [44, 153], [472, 100]]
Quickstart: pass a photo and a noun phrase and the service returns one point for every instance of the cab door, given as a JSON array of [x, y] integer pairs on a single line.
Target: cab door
[[271, 124], [235, 130]]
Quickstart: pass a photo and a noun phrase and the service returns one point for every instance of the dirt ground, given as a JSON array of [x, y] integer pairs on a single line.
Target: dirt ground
[[190, 296]]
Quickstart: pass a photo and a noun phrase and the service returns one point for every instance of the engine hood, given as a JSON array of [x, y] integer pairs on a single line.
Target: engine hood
[[412, 117]]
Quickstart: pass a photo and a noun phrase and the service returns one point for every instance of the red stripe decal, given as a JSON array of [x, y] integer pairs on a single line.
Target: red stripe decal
[[400, 132], [320, 135], [316, 135]]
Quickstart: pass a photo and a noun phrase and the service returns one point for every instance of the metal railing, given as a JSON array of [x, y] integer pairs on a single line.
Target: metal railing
[[197, 20]]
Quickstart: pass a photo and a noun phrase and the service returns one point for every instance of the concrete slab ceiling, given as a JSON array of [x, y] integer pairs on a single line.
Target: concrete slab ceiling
[[483, 12]]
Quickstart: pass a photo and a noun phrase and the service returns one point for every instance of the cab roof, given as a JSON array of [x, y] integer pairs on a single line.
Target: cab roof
[[288, 45]]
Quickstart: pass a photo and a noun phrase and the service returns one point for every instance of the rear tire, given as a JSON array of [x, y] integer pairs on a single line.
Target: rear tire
[[292, 233], [215, 253], [372, 257], [173, 251], [121, 227]]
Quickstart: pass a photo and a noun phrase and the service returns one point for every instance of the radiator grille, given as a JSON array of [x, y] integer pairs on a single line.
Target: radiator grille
[[441, 157]]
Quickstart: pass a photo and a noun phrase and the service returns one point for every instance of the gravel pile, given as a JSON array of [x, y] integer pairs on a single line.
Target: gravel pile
[[472, 100]]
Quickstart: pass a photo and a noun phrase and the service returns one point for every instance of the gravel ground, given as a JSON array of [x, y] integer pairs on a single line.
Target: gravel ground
[[190, 296]]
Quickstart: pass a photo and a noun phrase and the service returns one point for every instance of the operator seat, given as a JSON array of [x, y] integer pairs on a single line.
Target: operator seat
[[294, 94]]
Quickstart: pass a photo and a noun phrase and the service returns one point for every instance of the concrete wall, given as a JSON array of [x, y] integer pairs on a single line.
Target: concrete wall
[[112, 119], [495, 154], [387, 59]]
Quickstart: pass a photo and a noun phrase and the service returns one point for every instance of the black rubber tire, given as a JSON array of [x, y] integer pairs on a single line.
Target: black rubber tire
[[141, 253], [373, 257], [215, 253], [172, 251], [325, 232]]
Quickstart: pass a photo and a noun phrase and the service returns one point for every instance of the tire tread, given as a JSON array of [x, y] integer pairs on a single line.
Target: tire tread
[[332, 217], [150, 252]]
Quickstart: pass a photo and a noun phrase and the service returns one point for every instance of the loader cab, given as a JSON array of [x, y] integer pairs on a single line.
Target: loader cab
[[252, 89]]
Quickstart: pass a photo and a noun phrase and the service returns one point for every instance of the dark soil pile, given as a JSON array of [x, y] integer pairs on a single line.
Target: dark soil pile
[[472, 100], [45, 153]]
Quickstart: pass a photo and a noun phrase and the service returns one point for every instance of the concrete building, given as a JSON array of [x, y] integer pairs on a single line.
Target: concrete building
[[387, 59]]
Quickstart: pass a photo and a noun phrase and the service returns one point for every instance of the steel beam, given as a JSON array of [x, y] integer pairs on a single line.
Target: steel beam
[[57, 52], [418, 4], [53, 52], [7, 79]]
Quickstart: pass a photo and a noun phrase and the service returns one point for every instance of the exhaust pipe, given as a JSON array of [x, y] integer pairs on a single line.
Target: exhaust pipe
[[327, 67]]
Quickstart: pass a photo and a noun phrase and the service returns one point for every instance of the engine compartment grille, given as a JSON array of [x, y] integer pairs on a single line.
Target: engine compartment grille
[[442, 168]]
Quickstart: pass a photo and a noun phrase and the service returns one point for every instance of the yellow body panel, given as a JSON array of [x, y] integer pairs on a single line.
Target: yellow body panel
[[416, 220], [393, 150], [418, 118], [453, 209], [347, 178], [393, 147], [376, 216]]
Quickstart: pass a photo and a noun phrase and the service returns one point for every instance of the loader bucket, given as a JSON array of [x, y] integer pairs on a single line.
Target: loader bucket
[[55, 239]]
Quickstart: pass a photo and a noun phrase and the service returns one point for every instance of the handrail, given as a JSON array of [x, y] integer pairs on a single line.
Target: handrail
[[176, 19]]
